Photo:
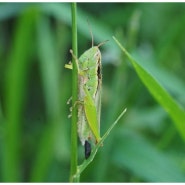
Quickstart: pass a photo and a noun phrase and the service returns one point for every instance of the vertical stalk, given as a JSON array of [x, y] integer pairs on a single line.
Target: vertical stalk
[[74, 98]]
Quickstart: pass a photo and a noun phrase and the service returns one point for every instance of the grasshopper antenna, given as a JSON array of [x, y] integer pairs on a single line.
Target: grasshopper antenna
[[102, 43], [90, 30]]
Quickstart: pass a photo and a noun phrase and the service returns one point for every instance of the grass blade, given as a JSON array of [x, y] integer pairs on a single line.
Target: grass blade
[[159, 93]]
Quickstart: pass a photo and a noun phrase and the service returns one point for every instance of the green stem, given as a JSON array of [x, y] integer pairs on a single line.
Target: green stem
[[74, 98]]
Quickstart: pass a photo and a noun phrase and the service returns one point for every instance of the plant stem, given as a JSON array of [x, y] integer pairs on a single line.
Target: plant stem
[[74, 98]]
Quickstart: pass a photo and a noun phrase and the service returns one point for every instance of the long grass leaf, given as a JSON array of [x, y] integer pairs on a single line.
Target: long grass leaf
[[159, 93]]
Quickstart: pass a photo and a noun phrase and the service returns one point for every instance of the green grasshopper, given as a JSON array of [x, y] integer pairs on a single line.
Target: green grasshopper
[[89, 96]]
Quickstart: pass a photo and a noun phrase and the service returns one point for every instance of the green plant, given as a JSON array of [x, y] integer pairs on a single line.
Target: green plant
[[148, 143]]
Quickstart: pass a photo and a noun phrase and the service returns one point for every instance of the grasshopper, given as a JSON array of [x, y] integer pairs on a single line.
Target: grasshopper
[[89, 96]]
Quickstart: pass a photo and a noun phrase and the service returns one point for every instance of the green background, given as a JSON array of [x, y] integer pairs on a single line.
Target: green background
[[35, 40]]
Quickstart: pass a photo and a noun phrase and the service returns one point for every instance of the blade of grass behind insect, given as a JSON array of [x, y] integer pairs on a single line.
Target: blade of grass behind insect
[[50, 80], [159, 93], [15, 95]]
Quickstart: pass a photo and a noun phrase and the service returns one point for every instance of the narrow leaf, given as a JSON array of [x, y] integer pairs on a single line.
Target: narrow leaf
[[159, 93]]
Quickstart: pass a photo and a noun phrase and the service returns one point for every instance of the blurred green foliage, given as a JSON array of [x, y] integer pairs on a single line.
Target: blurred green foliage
[[34, 87]]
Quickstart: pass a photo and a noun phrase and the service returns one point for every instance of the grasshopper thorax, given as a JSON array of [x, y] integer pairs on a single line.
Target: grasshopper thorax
[[90, 64]]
